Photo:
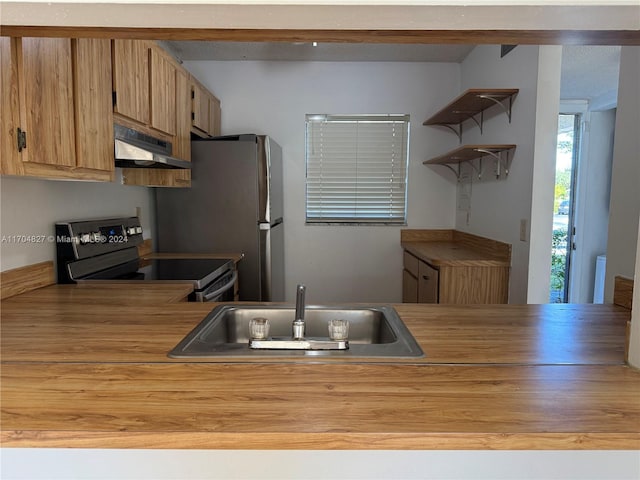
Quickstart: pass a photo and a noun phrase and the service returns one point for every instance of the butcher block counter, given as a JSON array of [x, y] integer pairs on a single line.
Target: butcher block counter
[[79, 370]]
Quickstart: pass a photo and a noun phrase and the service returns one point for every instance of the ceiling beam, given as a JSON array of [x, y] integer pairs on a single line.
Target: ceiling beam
[[522, 37]]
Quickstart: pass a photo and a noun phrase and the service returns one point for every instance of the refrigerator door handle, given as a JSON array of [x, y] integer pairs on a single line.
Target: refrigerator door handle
[[268, 226]]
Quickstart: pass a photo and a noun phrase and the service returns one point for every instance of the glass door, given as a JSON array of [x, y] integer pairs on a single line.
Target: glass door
[[567, 153]]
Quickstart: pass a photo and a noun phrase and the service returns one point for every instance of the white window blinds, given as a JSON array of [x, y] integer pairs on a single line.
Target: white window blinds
[[357, 168]]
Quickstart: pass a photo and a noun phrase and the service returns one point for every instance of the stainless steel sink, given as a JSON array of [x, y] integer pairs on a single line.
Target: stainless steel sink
[[375, 331]]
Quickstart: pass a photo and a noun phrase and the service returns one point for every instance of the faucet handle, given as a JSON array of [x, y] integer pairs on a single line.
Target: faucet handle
[[300, 305]]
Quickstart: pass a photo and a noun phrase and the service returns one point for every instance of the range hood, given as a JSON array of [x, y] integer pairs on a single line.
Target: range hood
[[135, 149]]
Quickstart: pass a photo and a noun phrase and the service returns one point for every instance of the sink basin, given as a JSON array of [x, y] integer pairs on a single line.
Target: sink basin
[[373, 332]]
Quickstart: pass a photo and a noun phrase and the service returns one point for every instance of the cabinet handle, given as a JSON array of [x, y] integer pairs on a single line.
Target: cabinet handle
[[426, 277]]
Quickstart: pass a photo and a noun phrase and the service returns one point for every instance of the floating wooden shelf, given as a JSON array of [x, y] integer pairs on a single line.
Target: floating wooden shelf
[[469, 153], [471, 103]]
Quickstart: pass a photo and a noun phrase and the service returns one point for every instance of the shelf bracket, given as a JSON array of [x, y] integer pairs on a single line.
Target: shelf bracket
[[478, 170], [499, 157], [457, 131], [507, 109], [456, 173], [480, 123]]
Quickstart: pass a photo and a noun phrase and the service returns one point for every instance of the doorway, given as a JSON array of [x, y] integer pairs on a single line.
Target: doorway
[[567, 156]]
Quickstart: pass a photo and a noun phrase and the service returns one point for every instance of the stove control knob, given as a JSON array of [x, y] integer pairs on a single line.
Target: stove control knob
[[84, 238], [131, 230], [138, 229]]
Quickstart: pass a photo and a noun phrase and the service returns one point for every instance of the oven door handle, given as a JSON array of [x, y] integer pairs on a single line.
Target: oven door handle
[[209, 295]]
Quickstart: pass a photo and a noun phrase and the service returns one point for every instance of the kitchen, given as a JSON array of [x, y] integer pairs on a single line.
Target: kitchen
[[427, 186]]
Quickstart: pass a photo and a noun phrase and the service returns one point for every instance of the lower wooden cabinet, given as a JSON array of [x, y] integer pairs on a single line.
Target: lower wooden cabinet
[[457, 284], [409, 287], [428, 278]]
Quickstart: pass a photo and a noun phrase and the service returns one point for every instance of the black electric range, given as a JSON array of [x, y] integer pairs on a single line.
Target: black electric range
[[106, 250]]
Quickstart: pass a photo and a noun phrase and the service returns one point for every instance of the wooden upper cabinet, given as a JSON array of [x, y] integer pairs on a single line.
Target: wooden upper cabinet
[[61, 102], [163, 93], [182, 139], [214, 116], [156, 177], [93, 105], [131, 79], [200, 108], [46, 100], [206, 111], [10, 157]]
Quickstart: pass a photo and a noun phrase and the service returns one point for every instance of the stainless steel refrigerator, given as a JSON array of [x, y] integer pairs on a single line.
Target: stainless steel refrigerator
[[234, 205]]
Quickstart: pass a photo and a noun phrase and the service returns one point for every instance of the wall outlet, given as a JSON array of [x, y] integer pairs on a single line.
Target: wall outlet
[[523, 230]]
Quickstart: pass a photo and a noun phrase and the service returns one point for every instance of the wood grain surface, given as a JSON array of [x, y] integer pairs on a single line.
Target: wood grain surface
[[320, 406], [84, 294], [79, 371], [24, 279], [454, 247], [406, 36], [121, 331], [623, 292], [468, 104], [453, 254]]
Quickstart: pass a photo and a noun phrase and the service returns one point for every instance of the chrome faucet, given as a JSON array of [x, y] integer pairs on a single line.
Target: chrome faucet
[[297, 340], [298, 322]]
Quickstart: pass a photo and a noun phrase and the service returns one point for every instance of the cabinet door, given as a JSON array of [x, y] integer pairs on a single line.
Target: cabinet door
[[182, 139], [156, 177], [427, 284], [409, 287], [200, 108], [214, 116], [93, 104], [131, 79], [163, 93], [46, 100], [10, 158]]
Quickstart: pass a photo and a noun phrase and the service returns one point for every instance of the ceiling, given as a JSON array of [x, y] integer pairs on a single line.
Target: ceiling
[[588, 72]]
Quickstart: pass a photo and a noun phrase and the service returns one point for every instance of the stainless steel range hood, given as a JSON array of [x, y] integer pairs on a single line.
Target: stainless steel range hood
[[135, 149]]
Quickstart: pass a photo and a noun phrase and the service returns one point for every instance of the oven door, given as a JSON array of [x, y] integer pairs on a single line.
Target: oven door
[[221, 290]]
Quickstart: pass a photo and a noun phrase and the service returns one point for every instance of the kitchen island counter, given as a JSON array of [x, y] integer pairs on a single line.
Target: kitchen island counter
[[96, 375]]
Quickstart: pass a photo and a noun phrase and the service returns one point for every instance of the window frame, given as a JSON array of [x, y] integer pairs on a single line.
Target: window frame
[[363, 118]]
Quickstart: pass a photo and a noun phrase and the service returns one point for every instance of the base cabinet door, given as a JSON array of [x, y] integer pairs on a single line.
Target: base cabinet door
[[427, 283], [409, 287]]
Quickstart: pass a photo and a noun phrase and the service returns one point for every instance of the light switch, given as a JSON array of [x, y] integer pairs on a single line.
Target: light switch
[[523, 230]]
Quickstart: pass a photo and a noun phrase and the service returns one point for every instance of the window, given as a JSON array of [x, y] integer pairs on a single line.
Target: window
[[357, 168]]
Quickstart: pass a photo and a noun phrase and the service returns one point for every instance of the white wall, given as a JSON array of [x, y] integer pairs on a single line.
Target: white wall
[[592, 202], [32, 206], [498, 206], [132, 464], [624, 206], [340, 263]]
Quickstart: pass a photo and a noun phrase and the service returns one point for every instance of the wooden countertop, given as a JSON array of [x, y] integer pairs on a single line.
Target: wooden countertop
[[93, 373], [104, 293], [455, 248], [453, 254]]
